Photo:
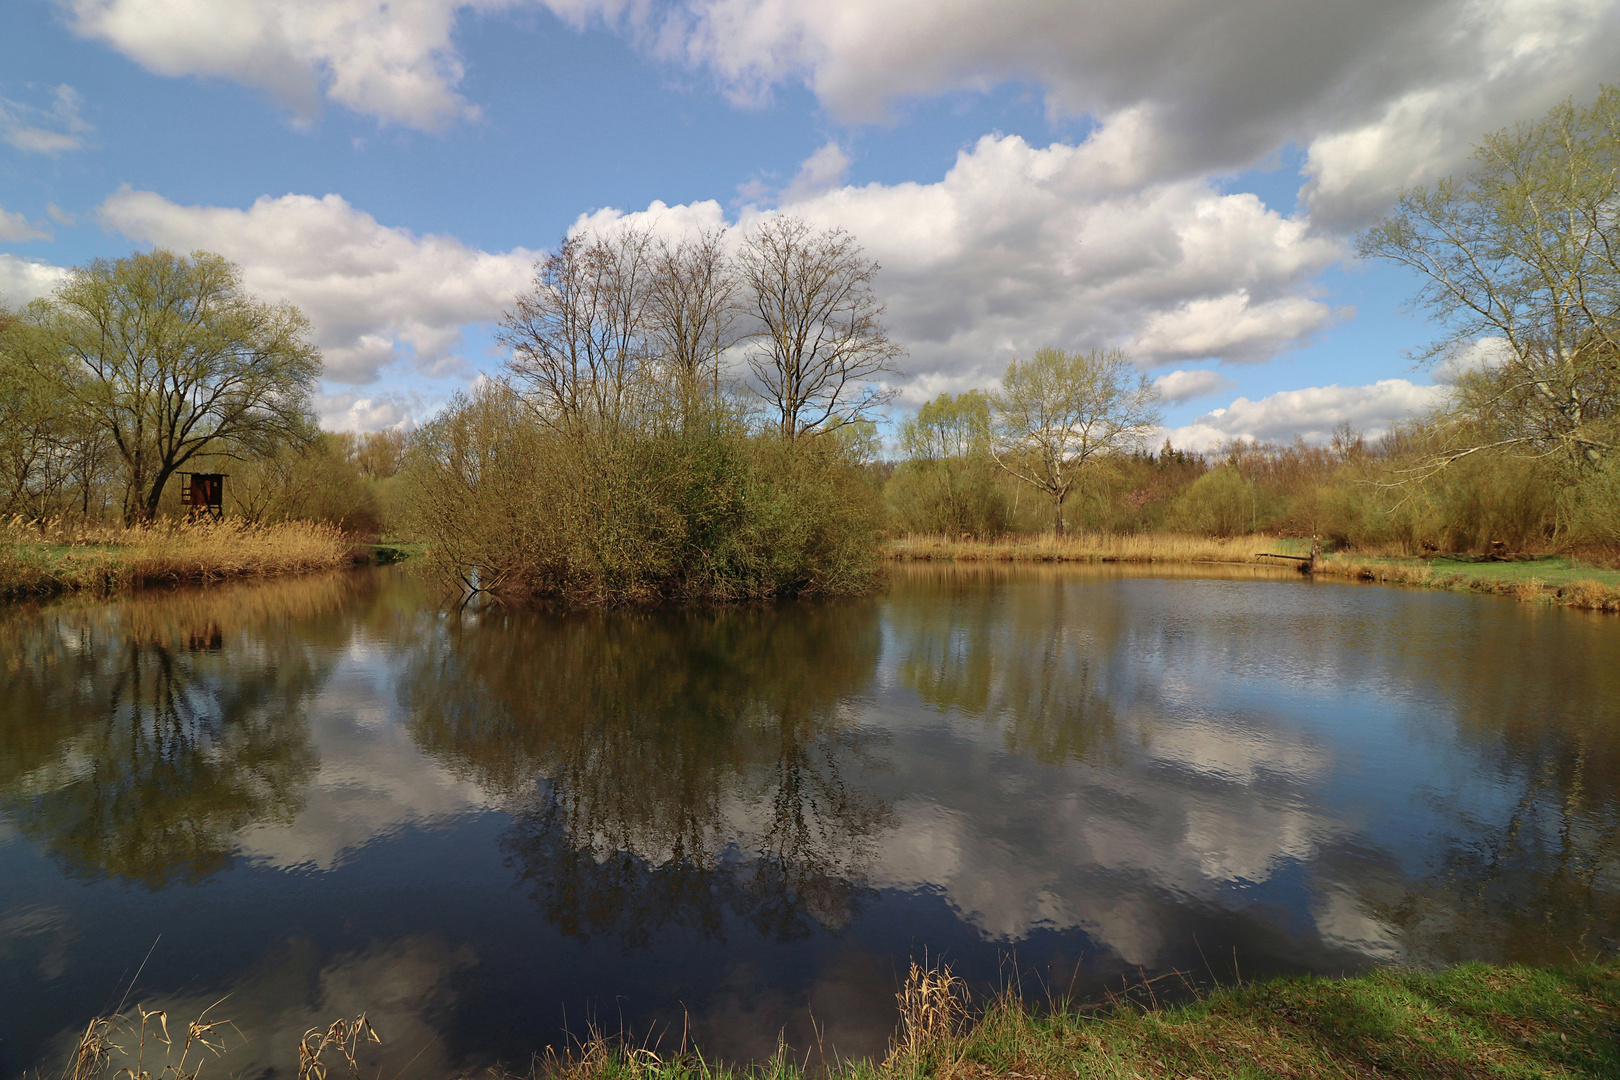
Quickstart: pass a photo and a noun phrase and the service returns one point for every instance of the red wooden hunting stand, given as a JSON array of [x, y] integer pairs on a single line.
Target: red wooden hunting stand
[[204, 492]]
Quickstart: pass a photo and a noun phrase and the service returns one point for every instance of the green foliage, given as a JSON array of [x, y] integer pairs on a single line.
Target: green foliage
[[166, 357], [1057, 412], [1591, 508], [1501, 497], [1222, 502], [951, 483], [320, 480], [622, 512], [949, 427]]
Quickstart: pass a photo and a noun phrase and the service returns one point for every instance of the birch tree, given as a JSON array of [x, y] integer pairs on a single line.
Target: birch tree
[[1059, 411], [1520, 265]]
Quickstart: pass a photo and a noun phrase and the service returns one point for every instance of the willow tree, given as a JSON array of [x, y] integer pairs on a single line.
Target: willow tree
[[1519, 260], [949, 482], [1058, 412], [172, 358]]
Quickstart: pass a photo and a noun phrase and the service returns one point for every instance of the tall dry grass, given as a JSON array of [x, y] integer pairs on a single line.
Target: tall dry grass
[[1095, 547], [137, 1045], [42, 558], [1472, 1020], [1384, 564]]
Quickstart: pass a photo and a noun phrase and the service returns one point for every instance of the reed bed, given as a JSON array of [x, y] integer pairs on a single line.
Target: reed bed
[[1553, 581], [1094, 547], [41, 559]]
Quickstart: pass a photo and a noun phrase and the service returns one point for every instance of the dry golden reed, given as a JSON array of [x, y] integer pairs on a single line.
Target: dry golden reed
[[40, 558], [149, 1028], [343, 1037], [142, 1041], [935, 1012], [1170, 548], [1095, 547]]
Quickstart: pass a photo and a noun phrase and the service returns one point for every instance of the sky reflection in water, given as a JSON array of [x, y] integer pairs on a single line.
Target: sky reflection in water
[[486, 828]]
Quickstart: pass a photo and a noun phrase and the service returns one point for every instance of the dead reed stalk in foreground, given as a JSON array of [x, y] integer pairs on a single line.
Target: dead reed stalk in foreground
[[104, 1039], [934, 1014], [150, 1029], [343, 1036]]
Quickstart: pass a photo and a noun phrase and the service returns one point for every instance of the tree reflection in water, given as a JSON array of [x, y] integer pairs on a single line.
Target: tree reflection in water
[[1529, 868], [138, 739], [665, 770], [1037, 660], [1538, 874], [1526, 701]]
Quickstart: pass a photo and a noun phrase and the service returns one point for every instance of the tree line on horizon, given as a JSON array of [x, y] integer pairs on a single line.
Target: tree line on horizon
[[694, 418]]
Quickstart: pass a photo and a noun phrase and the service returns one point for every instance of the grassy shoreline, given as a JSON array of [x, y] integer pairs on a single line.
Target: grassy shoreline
[[1470, 1021], [37, 562], [1473, 1020], [1546, 580]]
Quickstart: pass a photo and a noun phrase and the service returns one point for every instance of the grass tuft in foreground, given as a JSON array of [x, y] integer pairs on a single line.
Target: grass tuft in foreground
[[45, 559]]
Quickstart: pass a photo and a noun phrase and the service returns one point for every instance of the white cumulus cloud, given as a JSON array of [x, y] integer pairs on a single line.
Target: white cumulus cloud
[[16, 229], [1311, 414], [1019, 247], [393, 59], [370, 412], [1190, 384], [374, 294], [820, 171], [22, 280], [1231, 327], [1379, 94]]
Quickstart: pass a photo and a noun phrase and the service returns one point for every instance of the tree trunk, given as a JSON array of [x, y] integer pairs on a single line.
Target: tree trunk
[[150, 509], [1057, 514]]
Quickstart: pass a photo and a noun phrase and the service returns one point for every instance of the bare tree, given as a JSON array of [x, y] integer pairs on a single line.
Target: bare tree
[[1058, 411], [821, 342], [691, 313], [577, 336]]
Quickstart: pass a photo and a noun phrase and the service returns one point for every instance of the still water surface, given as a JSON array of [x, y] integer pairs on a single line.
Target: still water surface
[[487, 828]]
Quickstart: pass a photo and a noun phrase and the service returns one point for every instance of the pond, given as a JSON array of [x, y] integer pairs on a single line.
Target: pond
[[493, 828]]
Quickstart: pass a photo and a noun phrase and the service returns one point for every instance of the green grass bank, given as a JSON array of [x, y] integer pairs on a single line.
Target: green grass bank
[[1549, 579], [1472, 1021]]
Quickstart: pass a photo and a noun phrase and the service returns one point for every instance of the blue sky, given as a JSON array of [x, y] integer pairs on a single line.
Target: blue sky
[[1180, 177]]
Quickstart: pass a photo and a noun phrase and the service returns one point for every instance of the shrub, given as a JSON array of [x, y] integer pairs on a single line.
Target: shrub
[[639, 510]]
